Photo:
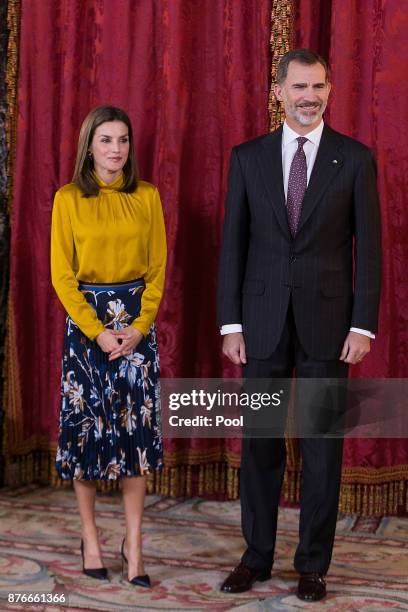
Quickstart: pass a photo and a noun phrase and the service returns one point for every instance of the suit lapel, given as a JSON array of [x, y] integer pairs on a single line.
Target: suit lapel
[[327, 164], [270, 163]]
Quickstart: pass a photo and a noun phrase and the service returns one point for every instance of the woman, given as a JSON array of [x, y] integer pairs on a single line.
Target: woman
[[108, 257]]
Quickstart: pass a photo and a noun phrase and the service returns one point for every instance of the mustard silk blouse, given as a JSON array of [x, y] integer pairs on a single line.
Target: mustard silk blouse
[[110, 238]]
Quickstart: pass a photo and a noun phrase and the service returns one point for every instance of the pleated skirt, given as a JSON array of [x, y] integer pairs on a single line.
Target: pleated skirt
[[110, 423]]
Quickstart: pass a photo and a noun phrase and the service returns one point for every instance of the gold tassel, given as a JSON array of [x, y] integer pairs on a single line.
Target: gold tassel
[[13, 25], [281, 42], [219, 478]]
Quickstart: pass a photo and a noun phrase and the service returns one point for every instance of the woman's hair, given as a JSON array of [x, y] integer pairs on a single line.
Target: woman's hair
[[84, 166]]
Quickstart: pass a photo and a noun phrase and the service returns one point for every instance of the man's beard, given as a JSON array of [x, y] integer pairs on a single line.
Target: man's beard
[[296, 114]]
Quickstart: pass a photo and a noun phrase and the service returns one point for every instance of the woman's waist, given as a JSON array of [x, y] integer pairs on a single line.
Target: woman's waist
[[112, 286], [116, 304]]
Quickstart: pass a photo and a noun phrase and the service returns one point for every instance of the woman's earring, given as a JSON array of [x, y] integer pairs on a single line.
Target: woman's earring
[[90, 156]]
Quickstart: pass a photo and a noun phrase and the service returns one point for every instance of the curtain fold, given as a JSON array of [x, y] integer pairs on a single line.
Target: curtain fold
[[366, 43], [194, 77]]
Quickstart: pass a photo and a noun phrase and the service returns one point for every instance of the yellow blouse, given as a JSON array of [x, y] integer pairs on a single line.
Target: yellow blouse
[[110, 238]]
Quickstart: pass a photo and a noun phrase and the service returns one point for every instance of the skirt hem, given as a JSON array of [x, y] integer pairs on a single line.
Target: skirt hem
[[159, 468]]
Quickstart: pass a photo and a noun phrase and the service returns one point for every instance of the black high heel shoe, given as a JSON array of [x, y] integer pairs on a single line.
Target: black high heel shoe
[[143, 581], [100, 573]]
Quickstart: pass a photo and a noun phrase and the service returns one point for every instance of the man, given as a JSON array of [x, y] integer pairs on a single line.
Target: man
[[301, 213]]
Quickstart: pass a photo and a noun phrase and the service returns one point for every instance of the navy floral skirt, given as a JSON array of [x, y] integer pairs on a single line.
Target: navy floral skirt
[[110, 414]]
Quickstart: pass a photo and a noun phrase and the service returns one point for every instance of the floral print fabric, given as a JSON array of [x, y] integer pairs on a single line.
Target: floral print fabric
[[110, 413]]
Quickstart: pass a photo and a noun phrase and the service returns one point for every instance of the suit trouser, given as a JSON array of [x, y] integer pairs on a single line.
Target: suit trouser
[[263, 465]]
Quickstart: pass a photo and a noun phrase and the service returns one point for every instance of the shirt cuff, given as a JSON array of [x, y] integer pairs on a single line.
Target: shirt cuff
[[237, 327], [364, 332], [233, 328]]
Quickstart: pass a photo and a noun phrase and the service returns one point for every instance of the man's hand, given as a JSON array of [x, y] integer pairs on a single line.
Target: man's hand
[[233, 346], [355, 348]]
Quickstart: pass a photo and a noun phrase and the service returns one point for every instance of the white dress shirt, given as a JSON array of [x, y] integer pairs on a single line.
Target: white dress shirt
[[289, 148]]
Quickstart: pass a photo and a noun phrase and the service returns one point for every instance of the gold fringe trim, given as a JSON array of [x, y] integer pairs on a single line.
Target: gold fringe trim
[[377, 476], [385, 499], [218, 479], [281, 41], [382, 492]]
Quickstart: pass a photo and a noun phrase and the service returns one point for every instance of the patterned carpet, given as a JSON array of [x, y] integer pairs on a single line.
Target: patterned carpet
[[190, 545]]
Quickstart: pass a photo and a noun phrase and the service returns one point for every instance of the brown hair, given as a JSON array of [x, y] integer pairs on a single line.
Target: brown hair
[[303, 56], [83, 174]]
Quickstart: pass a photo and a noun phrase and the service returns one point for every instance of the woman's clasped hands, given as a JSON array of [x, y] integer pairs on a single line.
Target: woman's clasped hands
[[119, 342]]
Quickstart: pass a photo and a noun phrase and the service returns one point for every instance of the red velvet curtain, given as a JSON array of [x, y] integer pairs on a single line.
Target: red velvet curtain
[[194, 78], [367, 45]]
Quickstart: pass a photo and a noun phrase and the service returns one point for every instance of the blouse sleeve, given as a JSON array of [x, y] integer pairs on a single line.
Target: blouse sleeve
[[62, 271], [154, 277]]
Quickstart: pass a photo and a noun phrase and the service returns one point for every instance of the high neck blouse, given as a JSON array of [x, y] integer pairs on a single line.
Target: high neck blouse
[[109, 238]]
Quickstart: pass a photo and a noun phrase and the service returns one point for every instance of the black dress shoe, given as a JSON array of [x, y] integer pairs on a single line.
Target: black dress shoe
[[242, 578], [100, 573], [311, 587], [142, 581]]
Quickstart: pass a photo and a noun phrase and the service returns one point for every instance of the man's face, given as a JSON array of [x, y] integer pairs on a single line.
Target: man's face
[[304, 94]]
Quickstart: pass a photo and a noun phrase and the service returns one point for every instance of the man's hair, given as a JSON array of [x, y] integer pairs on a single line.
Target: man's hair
[[303, 56]]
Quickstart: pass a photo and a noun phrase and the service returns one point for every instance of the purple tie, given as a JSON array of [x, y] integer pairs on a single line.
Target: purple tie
[[297, 184]]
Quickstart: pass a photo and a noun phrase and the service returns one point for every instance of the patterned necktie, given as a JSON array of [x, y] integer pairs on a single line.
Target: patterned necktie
[[297, 184]]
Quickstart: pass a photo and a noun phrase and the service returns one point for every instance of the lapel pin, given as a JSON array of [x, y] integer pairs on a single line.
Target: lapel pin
[[335, 161]]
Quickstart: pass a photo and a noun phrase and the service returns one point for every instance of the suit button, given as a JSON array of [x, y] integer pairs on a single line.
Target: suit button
[[293, 258]]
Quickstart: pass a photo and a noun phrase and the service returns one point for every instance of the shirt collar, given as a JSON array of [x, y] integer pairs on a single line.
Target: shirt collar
[[108, 187], [314, 136]]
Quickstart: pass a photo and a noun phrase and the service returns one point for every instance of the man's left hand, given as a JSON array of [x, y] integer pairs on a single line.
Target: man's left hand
[[355, 348]]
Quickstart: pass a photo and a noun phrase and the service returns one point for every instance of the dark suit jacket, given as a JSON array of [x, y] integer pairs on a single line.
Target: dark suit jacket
[[338, 237]]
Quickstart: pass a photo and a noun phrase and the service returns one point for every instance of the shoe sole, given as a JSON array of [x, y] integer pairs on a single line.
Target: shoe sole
[[310, 599], [261, 578]]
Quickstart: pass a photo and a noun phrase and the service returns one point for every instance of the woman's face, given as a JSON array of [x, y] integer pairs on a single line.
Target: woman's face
[[110, 148]]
